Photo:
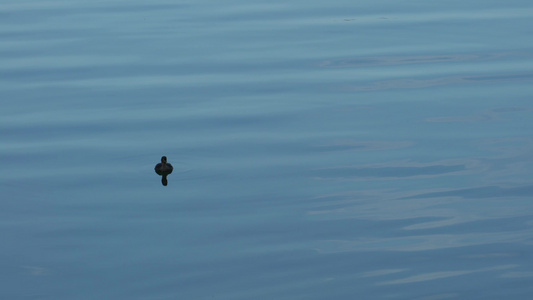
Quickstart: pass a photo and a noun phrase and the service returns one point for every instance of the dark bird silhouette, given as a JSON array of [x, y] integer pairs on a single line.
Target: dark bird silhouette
[[163, 168]]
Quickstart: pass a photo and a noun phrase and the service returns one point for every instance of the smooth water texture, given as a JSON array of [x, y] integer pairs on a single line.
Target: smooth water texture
[[321, 149]]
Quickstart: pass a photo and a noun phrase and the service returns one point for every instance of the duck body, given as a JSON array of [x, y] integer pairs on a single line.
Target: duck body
[[163, 168]]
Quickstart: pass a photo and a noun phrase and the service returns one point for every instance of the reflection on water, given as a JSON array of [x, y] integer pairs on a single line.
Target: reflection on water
[[375, 61], [439, 275]]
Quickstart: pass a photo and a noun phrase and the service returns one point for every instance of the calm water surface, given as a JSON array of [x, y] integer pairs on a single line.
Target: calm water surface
[[322, 149]]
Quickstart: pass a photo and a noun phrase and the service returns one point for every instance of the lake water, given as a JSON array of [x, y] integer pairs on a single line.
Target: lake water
[[321, 149]]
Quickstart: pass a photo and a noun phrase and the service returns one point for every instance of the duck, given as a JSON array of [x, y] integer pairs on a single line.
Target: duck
[[163, 167]]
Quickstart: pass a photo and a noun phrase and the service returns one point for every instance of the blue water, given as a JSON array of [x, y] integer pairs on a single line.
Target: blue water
[[321, 149]]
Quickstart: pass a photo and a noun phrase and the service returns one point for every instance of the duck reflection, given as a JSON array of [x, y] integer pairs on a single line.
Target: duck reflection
[[163, 168]]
